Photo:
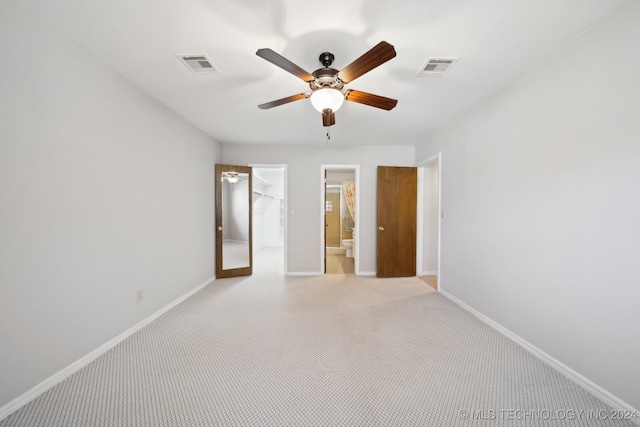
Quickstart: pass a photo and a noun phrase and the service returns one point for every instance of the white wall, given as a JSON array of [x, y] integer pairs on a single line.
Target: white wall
[[272, 231], [305, 192], [540, 190], [102, 191]]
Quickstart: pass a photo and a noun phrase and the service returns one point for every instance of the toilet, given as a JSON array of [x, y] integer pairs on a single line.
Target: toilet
[[349, 244]]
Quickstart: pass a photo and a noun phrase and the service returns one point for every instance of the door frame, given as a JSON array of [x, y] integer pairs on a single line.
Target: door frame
[[420, 244], [286, 203], [356, 241]]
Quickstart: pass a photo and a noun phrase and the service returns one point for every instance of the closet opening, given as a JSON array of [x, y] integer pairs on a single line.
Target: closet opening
[[269, 219]]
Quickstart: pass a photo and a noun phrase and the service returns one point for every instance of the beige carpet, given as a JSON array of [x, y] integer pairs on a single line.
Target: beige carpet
[[269, 350]]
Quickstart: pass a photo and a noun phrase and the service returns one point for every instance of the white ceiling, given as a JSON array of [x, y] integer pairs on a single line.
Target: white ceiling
[[497, 41]]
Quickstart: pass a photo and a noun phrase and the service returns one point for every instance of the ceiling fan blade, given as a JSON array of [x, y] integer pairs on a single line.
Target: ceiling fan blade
[[370, 99], [282, 101], [285, 64], [378, 55], [328, 118]]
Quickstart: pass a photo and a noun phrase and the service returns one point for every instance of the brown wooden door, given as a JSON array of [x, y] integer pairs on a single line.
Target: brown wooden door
[[396, 213]]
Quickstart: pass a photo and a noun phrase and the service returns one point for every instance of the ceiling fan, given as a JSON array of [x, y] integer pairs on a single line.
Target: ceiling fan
[[327, 84]]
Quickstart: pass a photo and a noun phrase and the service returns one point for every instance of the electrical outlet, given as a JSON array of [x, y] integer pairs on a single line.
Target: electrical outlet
[[139, 294]]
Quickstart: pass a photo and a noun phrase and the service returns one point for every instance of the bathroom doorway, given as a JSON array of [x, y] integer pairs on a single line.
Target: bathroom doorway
[[339, 235]]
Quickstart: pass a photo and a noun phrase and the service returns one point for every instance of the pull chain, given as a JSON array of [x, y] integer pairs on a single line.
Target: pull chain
[[328, 133]]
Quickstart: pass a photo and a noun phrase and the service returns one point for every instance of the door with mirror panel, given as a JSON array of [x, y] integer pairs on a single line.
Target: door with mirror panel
[[234, 253]]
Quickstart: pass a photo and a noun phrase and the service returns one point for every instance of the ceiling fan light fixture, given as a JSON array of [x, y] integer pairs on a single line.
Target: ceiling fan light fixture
[[327, 99]]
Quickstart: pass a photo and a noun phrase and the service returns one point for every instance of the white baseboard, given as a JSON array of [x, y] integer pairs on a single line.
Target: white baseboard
[[591, 387], [367, 273], [305, 273], [65, 373]]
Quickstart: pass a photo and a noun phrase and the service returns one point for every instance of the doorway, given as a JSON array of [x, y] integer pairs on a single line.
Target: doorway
[[430, 214], [269, 219], [339, 219]]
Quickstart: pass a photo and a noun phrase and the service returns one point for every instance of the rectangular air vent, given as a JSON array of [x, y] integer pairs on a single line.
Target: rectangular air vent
[[199, 63], [437, 67]]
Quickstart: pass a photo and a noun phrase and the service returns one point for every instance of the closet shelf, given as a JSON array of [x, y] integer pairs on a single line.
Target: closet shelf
[[261, 195], [261, 180]]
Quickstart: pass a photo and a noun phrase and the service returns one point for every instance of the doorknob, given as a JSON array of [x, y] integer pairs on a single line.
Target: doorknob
[[381, 228], [219, 228]]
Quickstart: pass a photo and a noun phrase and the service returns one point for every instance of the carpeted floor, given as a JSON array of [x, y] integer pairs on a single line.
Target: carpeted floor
[[269, 350]]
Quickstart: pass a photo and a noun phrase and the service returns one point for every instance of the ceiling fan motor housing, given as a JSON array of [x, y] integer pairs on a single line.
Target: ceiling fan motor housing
[[326, 77]]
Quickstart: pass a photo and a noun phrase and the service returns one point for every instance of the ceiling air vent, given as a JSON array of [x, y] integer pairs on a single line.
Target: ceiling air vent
[[437, 67], [199, 64]]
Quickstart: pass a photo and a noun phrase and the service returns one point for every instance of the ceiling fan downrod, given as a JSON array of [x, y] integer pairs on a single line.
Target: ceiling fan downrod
[[326, 59]]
